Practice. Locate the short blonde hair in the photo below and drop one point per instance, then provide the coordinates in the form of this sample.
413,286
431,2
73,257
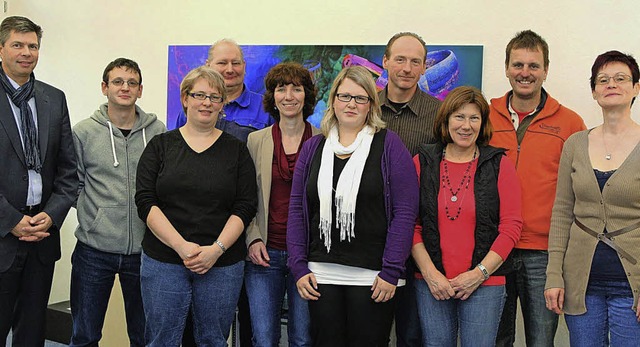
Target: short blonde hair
206,73
364,79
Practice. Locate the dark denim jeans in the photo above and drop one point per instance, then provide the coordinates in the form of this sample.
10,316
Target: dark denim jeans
475,319
168,290
606,317
266,288
527,284
92,276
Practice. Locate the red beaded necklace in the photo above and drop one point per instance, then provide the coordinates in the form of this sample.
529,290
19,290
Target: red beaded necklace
446,183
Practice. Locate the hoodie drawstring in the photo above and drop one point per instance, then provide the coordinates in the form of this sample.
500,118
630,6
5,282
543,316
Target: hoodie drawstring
144,137
113,146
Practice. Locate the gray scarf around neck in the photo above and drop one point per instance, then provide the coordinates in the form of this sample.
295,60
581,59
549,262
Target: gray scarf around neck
20,97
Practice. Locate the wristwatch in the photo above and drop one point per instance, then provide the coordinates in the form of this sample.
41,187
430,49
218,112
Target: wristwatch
485,273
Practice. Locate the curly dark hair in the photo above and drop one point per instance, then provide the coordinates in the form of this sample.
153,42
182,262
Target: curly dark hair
289,73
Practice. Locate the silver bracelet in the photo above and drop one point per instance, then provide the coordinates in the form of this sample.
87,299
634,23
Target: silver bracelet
224,249
485,273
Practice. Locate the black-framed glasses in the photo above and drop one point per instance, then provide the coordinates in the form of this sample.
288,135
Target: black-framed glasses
119,83
617,78
360,99
215,98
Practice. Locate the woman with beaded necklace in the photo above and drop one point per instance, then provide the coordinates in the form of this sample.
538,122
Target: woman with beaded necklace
470,220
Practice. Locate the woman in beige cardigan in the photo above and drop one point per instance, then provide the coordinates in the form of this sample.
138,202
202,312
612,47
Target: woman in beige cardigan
290,98
593,274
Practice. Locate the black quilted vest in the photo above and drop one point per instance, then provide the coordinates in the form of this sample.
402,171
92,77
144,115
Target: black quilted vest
486,197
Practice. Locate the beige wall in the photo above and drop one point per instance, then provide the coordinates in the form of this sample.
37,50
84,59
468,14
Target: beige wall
82,36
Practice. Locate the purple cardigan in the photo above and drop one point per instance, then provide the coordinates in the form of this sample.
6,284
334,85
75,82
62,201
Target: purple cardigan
401,191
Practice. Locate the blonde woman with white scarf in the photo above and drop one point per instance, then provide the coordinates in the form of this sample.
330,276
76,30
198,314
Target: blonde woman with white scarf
353,204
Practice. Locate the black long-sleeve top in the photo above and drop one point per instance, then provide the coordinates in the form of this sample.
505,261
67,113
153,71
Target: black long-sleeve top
197,192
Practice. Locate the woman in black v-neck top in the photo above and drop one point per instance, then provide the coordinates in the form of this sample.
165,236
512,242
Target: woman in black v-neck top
196,190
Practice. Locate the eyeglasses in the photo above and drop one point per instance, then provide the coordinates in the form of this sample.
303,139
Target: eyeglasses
617,78
119,83
216,99
360,99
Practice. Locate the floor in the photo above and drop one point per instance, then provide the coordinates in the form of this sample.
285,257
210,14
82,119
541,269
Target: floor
561,340
46,343
562,336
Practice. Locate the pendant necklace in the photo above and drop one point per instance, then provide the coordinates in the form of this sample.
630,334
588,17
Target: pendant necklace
607,155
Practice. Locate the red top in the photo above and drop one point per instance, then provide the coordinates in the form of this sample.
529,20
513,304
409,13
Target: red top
521,115
457,236
279,205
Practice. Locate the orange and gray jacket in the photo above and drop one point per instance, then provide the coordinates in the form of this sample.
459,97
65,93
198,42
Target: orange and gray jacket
536,156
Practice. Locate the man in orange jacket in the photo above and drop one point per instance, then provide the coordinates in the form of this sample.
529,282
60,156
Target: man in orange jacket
533,127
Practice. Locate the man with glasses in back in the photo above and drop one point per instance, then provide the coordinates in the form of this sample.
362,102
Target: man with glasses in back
108,145
410,112
38,183
533,127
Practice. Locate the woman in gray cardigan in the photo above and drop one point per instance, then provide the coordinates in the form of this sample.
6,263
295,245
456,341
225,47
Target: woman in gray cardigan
593,274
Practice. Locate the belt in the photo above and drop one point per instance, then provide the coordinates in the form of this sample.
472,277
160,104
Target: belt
607,238
31,210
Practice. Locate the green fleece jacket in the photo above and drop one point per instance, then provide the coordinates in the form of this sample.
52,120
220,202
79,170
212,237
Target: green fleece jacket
107,162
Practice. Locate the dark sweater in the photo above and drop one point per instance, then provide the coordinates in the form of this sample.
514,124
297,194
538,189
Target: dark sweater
197,192
400,199
366,249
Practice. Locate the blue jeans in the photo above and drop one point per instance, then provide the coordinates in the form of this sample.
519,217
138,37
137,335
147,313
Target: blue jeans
606,316
168,290
266,288
476,318
527,283
92,276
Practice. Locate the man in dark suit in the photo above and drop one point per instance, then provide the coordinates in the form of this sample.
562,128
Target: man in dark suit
38,183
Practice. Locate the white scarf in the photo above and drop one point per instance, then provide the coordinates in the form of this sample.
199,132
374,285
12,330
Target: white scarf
348,183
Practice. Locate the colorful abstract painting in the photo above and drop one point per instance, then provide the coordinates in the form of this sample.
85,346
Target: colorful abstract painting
448,67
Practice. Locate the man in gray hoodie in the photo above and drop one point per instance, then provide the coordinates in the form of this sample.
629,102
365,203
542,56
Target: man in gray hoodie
108,145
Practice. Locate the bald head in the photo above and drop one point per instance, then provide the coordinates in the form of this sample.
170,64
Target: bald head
225,42
225,56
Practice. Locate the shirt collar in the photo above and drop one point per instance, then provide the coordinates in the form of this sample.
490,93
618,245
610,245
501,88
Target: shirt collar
514,115
244,99
411,104
14,83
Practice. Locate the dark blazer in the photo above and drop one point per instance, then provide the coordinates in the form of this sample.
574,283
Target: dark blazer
59,176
